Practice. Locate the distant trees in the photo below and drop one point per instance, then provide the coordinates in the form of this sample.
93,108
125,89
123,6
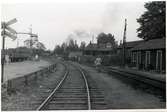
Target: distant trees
83,45
152,22
66,47
103,39
57,50
72,45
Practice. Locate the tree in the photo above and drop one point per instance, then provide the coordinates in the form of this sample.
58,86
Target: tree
76,48
40,45
82,46
72,45
103,39
63,46
57,50
152,22
112,40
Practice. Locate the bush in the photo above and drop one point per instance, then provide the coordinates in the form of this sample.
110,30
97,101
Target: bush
87,59
111,60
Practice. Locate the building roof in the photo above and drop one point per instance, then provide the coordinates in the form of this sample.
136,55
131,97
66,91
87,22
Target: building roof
94,47
151,44
91,46
76,53
131,44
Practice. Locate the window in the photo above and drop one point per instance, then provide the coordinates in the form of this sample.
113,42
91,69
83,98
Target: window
147,58
159,60
134,56
138,57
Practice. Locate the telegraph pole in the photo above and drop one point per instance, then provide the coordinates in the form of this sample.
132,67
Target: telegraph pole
30,36
124,45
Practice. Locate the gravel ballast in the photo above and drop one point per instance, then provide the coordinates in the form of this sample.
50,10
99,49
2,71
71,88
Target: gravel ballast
119,95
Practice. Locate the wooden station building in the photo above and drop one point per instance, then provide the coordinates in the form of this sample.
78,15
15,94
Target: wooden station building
150,55
129,46
96,49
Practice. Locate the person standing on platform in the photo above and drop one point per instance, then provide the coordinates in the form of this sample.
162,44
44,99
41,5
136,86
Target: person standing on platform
98,62
36,57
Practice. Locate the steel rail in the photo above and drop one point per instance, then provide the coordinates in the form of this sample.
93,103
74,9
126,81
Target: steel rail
146,80
44,103
50,96
87,87
161,81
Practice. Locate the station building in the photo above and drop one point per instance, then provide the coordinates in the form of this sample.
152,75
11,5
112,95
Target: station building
144,55
150,55
129,46
74,55
95,50
105,46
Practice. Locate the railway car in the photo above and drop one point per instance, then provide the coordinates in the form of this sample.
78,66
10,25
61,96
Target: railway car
19,54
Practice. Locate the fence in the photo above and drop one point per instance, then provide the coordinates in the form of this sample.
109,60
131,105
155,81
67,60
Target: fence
13,84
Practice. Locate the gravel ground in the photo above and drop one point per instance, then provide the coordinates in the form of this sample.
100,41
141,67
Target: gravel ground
26,97
119,95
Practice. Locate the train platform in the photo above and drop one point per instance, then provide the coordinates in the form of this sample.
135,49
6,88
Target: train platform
153,75
13,70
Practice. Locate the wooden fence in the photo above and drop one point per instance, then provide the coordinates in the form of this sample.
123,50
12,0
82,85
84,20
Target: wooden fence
13,84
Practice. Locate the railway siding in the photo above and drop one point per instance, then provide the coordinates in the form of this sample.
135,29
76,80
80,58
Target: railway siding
120,95
160,77
153,80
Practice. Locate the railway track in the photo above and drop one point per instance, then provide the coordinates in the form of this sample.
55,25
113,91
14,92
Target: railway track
97,99
72,92
142,79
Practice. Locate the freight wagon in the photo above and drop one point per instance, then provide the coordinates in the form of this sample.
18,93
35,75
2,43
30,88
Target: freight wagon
19,54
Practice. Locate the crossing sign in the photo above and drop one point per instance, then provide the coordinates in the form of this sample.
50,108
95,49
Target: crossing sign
11,22
11,30
5,26
11,33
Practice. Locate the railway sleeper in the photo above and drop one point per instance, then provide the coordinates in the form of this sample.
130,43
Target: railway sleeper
66,107
78,101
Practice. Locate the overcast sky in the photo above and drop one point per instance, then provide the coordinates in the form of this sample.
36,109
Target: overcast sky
54,22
